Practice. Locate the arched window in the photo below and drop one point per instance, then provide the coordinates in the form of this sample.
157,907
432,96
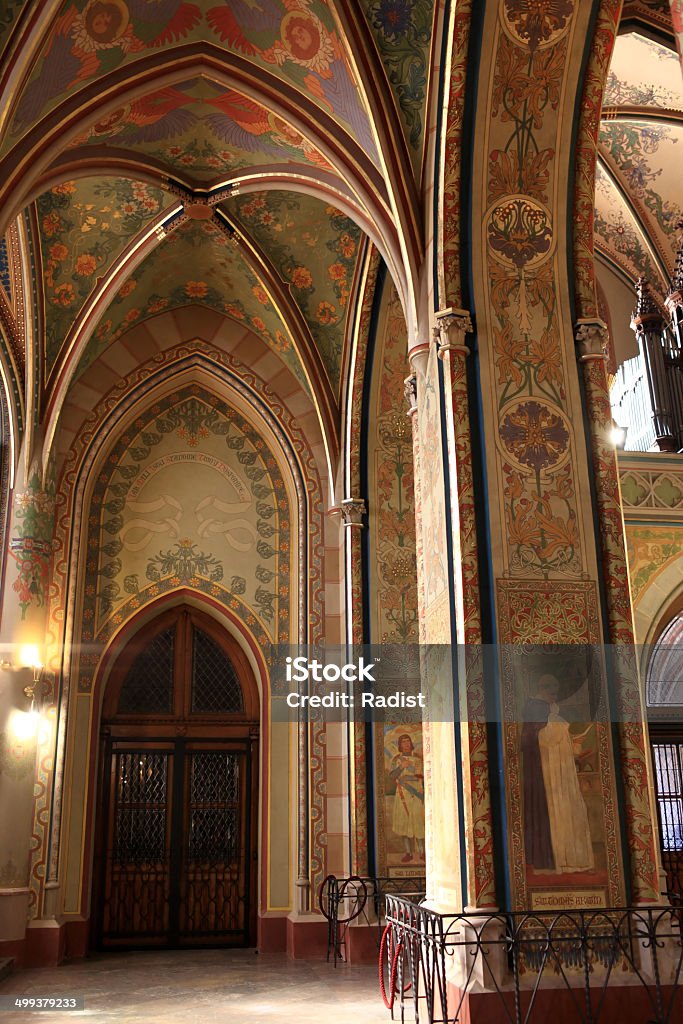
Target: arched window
664,687
181,667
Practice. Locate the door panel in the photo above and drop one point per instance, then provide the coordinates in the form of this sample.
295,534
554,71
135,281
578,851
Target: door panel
215,871
178,863
175,853
137,875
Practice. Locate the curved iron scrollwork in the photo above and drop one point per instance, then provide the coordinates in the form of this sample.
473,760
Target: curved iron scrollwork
522,961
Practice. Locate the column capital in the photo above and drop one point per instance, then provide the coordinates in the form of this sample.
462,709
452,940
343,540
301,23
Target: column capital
452,325
591,337
410,393
353,510
418,356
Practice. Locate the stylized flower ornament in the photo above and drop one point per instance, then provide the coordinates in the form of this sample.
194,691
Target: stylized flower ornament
534,435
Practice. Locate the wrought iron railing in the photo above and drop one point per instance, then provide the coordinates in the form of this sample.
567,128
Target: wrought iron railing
343,900
532,966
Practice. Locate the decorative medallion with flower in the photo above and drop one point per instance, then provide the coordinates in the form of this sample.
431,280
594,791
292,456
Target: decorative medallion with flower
538,22
535,436
519,232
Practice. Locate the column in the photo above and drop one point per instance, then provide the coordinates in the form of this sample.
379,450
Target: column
353,512
453,327
591,342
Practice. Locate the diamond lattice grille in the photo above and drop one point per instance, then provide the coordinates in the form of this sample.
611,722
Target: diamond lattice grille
141,808
214,794
148,688
215,686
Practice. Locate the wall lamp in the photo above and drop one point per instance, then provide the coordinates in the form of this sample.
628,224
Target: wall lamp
37,689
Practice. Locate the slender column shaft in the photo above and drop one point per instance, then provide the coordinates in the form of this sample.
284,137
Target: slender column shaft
635,759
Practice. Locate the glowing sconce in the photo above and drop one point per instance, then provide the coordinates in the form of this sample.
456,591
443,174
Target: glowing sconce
24,724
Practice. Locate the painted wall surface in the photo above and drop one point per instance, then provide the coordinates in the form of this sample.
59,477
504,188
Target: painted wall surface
398,761
193,497
652,496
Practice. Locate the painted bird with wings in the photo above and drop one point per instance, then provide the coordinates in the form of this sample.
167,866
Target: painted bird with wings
85,35
155,118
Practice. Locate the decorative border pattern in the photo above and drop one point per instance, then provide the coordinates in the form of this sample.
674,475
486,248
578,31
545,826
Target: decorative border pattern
585,161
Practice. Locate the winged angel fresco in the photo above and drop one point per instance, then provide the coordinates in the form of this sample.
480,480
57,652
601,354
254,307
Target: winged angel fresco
97,36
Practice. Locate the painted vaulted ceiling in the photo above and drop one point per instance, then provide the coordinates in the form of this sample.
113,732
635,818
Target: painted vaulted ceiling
93,37
238,154
235,155
639,202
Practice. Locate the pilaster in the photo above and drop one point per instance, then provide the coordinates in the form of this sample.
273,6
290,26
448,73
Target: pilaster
354,521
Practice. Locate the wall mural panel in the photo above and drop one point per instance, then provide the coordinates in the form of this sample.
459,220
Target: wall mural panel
84,226
398,763
30,544
191,496
315,249
297,39
200,128
651,549
543,559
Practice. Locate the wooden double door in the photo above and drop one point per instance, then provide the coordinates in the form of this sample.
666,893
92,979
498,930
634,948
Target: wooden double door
176,857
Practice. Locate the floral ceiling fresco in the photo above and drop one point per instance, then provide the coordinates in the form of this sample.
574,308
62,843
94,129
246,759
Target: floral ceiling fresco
201,130
643,73
403,33
638,199
617,236
84,226
196,264
648,158
296,39
314,249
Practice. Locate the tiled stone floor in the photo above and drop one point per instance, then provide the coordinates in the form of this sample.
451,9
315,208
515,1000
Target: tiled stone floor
203,986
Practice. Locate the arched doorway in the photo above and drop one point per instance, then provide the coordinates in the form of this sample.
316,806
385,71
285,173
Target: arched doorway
176,841
664,688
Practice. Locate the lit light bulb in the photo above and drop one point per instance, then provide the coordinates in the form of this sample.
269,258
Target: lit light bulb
24,724
29,656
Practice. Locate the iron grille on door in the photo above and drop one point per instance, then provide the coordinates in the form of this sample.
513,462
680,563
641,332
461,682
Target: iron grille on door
176,852
668,765
179,848
215,876
136,897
